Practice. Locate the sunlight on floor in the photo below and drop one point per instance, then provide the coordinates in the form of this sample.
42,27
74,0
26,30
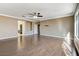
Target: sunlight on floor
20,41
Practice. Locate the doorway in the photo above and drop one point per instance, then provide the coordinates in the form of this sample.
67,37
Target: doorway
21,27
38,26
20,30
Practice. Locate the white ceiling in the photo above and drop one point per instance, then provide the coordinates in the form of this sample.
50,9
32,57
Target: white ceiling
48,10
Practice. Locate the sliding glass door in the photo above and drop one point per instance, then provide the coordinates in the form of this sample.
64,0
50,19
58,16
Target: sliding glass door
77,25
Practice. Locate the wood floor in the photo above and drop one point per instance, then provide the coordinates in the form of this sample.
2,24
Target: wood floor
31,46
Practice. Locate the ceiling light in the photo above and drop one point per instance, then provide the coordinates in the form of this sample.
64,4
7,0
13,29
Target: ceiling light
35,17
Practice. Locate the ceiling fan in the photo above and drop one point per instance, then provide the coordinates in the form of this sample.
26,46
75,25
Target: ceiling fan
33,15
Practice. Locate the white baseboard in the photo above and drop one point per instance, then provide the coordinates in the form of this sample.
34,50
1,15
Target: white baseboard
53,36
29,35
3,38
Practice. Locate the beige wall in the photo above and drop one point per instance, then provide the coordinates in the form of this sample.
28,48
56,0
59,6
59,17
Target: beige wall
57,27
8,27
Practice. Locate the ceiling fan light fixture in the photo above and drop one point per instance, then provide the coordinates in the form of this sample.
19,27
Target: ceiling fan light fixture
35,17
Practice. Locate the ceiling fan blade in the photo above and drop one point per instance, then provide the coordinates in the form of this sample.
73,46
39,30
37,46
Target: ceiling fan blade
30,14
39,16
27,16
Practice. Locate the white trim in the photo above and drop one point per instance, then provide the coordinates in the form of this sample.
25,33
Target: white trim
61,16
20,18
9,16
3,38
52,36
8,37
44,35
29,34
17,18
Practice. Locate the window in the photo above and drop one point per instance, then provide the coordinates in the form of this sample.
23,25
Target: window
77,26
